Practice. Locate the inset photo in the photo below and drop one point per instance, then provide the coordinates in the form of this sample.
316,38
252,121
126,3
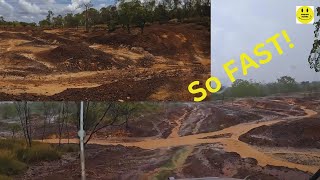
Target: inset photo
103,50
257,138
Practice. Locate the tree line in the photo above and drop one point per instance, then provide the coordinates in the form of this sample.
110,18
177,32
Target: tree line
249,88
314,57
63,117
5,23
126,14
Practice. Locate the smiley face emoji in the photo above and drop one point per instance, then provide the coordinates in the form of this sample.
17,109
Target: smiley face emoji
305,14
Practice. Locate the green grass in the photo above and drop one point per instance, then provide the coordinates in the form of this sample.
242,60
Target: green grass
15,156
37,153
175,158
168,168
68,148
169,164
163,175
2,177
9,165
12,144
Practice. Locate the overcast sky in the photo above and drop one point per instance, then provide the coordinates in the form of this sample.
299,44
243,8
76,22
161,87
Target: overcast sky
35,10
239,25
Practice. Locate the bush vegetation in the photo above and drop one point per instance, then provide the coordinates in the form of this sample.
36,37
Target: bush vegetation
15,156
284,85
2,177
125,14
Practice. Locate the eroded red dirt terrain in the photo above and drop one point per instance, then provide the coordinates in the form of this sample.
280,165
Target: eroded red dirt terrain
267,138
69,64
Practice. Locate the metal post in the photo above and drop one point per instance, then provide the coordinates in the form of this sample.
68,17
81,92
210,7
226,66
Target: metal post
81,134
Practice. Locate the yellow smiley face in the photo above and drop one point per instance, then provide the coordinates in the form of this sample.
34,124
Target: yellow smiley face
305,14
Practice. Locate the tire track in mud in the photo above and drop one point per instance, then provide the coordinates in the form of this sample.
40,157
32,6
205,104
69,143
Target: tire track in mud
232,144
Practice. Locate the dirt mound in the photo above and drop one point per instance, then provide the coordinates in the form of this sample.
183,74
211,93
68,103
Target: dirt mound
35,43
309,102
78,57
286,134
208,161
8,35
304,159
164,40
279,107
124,163
132,90
20,65
151,42
51,38
126,90
22,97
161,124
210,118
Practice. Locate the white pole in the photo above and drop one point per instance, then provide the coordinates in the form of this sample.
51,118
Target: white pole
82,135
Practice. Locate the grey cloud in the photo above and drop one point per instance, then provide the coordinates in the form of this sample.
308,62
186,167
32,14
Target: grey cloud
5,8
29,7
35,10
237,26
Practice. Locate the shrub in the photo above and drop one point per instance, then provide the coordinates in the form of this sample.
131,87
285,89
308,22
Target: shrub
69,148
15,155
12,144
9,165
2,177
164,174
38,152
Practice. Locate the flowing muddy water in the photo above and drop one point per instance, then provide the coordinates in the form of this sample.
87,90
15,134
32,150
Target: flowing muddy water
175,130
229,144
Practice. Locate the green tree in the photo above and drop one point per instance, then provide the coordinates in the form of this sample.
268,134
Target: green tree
287,84
314,57
87,6
44,23
96,117
126,13
58,21
161,14
272,88
71,20
8,111
93,17
109,16
49,17
23,110
2,21
14,128
306,86
244,88
140,17
149,6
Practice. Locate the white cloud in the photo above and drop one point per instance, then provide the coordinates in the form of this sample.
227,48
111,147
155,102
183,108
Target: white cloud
238,26
29,7
76,4
36,10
